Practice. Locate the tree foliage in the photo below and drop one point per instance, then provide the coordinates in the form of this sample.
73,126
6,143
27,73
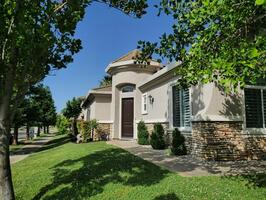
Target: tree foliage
62,124
106,81
73,108
221,41
37,37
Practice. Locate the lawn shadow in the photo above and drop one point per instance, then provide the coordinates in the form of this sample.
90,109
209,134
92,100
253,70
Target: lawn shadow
54,143
97,170
170,196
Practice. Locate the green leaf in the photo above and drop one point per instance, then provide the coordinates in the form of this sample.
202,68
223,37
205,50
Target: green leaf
260,2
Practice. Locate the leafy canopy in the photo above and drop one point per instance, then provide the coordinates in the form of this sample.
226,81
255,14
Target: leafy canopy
73,108
221,41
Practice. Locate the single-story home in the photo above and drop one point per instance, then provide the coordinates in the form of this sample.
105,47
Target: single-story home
217,126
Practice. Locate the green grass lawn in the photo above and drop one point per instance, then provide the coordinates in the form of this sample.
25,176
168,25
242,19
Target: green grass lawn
65,171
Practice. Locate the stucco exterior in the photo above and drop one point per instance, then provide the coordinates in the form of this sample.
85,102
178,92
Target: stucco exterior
211,110
127,76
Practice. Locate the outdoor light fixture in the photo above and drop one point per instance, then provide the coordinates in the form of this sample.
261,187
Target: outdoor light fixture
151,99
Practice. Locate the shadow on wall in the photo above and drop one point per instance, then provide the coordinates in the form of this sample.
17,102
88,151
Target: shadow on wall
96,171
197,99
232,105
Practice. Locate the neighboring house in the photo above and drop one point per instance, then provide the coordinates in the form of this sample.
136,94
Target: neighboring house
216,125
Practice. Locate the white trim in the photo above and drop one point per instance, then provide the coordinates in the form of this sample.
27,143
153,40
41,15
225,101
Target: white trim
151,121
126,96
105,121
206,117
159,73
256,87
128,62
144,101
255,132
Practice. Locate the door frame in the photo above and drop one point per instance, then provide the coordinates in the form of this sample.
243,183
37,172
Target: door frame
127,96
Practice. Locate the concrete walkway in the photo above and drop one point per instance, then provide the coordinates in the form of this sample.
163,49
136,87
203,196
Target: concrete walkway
188,165
28,149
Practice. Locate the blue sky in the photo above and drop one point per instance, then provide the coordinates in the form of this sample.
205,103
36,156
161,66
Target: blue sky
106,35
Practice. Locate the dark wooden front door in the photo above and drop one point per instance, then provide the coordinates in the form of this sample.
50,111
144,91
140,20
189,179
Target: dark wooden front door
127,117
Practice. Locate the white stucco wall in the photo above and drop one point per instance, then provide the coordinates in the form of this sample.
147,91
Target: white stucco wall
119,79
210,102
103,108
158,111
99,109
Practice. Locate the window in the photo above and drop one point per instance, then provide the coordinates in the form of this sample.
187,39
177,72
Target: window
128,88
181,108
144,103
255,106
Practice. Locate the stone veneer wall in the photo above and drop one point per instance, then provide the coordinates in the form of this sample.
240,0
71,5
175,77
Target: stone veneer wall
225,141
103,128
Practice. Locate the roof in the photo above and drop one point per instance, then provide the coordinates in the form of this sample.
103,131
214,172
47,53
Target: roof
168,72
132,55
106,90
128,61
103,88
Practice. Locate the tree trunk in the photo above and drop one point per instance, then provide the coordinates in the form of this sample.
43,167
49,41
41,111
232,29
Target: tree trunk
47,128
6,186
28,132
15,136
75,128
44,130
39,131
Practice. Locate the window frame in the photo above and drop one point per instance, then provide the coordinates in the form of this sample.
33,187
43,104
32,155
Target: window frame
254,131
128,85
144,101
181,128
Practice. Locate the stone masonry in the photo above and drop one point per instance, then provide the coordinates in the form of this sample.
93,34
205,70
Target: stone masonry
225,141
103,128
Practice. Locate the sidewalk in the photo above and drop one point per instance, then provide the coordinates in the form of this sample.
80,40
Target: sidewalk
188,165
25,151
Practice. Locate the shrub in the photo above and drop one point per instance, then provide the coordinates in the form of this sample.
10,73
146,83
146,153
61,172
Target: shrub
85,130
93,124
157,137
178,143
143,134
62,124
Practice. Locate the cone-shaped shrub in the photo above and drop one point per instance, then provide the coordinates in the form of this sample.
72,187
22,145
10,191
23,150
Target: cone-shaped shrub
157,137
143,134
178,143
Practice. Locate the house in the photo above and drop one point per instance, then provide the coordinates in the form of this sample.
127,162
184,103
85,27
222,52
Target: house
217,126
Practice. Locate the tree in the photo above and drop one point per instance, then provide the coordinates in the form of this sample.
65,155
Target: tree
62,124
106,81
45,108
72,111
48,28
222,41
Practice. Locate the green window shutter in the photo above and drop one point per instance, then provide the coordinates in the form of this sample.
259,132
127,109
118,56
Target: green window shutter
176,107
181,108
253,107
185,108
